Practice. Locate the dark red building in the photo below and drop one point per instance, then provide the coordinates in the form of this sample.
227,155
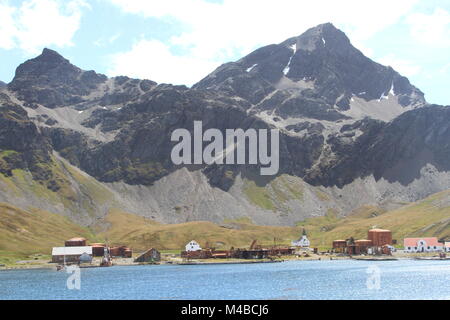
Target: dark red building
380,237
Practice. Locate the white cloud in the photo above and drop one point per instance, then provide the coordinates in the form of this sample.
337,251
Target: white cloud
102,42
220,31
404,67
7,29
152,59
431,29
39,23
445,69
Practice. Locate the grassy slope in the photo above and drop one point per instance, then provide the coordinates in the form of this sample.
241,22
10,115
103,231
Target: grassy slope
26,232
141,233
275,194
23,233
428,217
72,185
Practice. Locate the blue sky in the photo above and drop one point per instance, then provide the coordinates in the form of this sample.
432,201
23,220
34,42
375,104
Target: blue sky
181,41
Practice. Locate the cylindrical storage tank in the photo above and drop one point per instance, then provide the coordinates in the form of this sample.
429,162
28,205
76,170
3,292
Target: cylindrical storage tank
75,242
339,244
98,251
115,252
366,243
98,245
380,237
128,253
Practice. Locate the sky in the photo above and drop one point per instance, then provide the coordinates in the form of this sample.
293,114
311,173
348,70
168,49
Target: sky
181,41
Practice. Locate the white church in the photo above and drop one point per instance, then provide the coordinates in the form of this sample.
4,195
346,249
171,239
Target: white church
193,246
303,242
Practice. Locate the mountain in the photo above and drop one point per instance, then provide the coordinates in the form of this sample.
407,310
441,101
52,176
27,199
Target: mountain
321,72
352,133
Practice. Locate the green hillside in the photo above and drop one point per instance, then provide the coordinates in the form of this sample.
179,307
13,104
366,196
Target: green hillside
26,232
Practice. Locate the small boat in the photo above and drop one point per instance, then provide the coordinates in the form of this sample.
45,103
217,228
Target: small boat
431,258
106,260
375,259
60,268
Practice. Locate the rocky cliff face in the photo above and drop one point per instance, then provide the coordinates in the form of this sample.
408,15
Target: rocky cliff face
316,75
352,132
22,146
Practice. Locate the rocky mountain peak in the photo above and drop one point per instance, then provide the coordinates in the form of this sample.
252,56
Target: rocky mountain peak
319,67
51,56
51,80
46,65
319,37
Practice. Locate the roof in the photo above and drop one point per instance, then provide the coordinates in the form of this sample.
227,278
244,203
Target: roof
220,254
363,240
77,239
149,250
412,242
61,251
379,230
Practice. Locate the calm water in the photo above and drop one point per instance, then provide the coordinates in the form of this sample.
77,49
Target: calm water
406,279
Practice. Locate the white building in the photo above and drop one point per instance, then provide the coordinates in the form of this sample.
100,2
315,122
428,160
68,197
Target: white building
71,254
422,245
193,246
302,242
447,246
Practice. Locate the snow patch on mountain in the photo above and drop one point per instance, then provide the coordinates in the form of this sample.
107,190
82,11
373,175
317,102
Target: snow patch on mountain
251,68
288,66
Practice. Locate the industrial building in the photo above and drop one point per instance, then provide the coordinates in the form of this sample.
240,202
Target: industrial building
253,252
339,246
98,249
76,250
353,247
71,254
378,241
151,255
122,251
380,237
75,242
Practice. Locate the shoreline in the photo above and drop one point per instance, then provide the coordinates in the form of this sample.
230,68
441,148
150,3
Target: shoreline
124,263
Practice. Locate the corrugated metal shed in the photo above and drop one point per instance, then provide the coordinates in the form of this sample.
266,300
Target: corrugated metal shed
61,251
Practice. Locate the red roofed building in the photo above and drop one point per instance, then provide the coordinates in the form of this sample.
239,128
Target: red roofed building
422,245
